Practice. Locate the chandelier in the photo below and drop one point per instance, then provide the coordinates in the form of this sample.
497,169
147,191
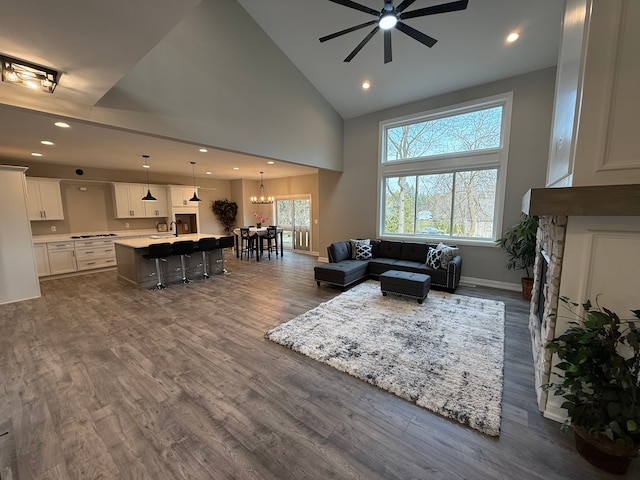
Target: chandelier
262,198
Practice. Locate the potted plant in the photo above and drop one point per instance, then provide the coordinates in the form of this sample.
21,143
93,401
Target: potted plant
520,243
225,211
599,379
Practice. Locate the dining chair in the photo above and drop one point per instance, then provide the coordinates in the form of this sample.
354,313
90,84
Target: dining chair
271,238
247,242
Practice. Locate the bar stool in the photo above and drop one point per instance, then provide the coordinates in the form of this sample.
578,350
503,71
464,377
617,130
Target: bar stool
159,252
247,242
225,242
272,240
183,248
205,245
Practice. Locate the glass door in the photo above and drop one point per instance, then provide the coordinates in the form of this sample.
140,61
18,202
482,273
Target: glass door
294,217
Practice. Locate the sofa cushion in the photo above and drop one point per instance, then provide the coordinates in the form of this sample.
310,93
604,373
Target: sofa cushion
343,273
380,265
339,251
375,247
434,258
448,253
355,243
363,251
390,249
414,251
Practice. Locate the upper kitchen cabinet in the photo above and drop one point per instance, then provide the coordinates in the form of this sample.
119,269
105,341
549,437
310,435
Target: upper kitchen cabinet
180,196
128,200
44,200
159,207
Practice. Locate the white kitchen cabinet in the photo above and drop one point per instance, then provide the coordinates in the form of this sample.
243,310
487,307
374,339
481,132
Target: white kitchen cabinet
44,200
180,196
158,208
42,259
95,253
62,258
128,200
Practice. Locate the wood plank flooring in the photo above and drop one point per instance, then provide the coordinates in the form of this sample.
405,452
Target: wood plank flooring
102,381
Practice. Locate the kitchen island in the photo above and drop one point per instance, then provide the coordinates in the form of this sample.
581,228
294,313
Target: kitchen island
134,269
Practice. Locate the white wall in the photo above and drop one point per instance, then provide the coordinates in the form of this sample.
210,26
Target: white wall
217,79
601,259
595,135
18,275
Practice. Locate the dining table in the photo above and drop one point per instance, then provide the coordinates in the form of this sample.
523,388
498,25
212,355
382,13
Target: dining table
260,232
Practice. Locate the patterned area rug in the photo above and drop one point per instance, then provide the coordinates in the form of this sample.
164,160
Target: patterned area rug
445,355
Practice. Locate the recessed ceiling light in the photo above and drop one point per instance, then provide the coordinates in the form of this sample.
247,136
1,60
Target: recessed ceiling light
208,173
36,154
62,125
47,142
512,37
236,168
366,85
270,162
203,150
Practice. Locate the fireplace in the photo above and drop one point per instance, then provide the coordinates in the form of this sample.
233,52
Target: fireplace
544,296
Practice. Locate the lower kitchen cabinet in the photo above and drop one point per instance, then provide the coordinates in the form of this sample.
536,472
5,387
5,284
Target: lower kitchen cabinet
95,254
42,259
62,257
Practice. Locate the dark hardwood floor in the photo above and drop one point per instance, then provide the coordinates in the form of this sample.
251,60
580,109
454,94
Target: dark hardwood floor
100,380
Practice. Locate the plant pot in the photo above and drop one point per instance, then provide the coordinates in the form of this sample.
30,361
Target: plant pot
603,453
527,286
258,225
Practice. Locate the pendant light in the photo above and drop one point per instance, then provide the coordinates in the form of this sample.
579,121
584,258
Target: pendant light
193,170
148,197
262,198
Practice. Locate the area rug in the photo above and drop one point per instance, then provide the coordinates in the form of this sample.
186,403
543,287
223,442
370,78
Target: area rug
445,355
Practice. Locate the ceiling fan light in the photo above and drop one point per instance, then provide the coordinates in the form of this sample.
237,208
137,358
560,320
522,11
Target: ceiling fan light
388,20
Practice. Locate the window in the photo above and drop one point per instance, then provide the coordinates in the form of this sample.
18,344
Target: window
442,174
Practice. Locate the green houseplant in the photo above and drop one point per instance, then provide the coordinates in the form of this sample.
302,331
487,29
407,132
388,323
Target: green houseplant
225,211
599,379
520,244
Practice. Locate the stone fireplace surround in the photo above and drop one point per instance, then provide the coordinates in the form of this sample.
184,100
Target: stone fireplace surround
554,207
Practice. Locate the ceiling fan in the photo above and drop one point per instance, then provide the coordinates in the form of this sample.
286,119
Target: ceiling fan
391,17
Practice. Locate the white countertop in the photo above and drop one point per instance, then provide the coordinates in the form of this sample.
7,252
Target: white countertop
145,242
120,234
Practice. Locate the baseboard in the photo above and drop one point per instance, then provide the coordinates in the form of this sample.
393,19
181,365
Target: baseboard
483,282
323,259
555,414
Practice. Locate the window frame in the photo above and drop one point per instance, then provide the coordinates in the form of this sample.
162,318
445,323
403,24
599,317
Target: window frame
445,163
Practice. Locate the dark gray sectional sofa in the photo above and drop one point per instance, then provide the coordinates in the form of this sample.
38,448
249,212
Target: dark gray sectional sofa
344,271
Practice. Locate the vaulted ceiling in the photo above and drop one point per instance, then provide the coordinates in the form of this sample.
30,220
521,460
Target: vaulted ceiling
95,44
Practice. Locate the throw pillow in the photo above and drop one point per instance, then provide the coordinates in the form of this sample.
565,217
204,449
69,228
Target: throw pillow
363,252
434,258
447,254
355,243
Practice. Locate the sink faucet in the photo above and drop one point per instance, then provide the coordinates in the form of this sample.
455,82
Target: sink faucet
176,225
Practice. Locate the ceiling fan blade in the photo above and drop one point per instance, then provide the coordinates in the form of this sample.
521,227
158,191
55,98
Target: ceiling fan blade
387,46
405,4
362,44
347,30
416,35
443,8
357,6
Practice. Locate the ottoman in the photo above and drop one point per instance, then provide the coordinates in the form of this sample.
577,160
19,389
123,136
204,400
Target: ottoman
415,285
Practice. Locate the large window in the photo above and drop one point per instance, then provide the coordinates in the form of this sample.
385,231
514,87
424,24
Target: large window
442,174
